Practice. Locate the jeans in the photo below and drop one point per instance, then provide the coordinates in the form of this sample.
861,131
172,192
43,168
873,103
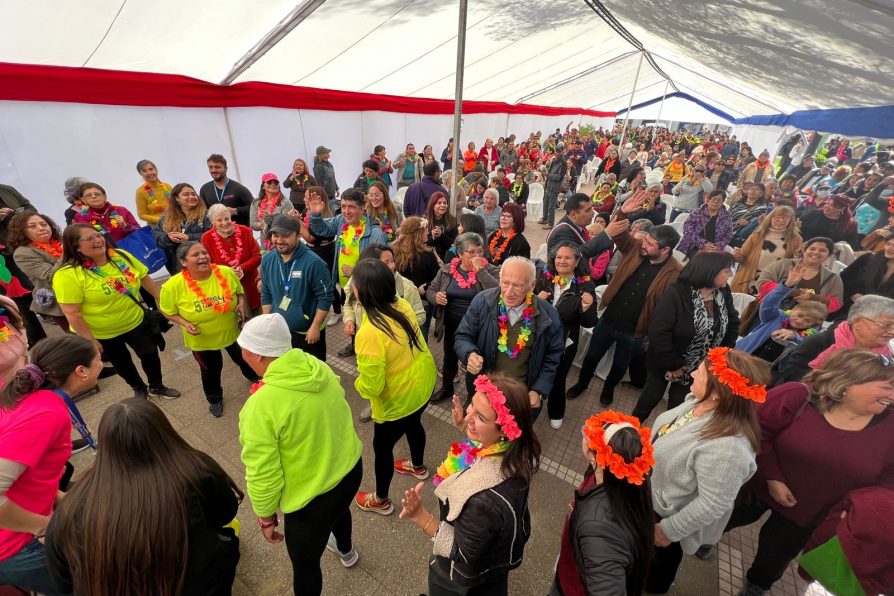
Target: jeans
211,365
451,363
654,391
385,437
626,347
555,403
779,542
307,531
550,202
317,350
145,349
27,569
429,310
674,213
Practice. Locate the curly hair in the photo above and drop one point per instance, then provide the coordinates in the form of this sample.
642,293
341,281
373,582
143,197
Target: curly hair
18,225
408,244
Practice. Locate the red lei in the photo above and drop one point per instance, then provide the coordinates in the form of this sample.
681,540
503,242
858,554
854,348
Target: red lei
497,253
267,206
224,252
204,300
460,280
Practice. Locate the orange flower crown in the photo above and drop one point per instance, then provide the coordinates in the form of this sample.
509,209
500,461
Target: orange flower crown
736,381
594,431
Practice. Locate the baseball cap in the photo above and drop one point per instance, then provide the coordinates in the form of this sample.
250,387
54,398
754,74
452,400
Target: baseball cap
266,335
284,224
268,177
323,149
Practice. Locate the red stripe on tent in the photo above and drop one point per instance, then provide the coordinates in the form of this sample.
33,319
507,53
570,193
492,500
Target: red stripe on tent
29,82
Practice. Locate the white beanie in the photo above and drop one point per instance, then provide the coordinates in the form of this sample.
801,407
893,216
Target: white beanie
266,335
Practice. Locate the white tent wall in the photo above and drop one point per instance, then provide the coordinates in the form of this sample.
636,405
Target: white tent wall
761,137
42,143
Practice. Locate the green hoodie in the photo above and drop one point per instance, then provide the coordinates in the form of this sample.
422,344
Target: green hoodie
297,435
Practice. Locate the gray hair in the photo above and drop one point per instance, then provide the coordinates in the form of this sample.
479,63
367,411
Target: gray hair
643,225
528,263
71,187
465,240
216,208
871,306
143,163
494,192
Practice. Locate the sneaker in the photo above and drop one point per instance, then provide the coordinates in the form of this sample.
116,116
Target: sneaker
165,392
546,227
369,502
575,391
541,221
749,589
704,552
366,415
333,318
78,445
556,424
348,559
141,392
404,466
446,392
216,409
348,350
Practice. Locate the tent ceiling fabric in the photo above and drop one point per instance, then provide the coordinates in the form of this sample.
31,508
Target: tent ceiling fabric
744,57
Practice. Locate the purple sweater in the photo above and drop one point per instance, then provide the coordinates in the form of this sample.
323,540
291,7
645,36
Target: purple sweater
819,463
418,194
694,228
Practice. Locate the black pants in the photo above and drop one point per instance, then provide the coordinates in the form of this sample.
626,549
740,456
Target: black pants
653,392
440,584
779,542
317,350
451,363
385,437
626,348
211,365
307,531
663,568
555,404
147,352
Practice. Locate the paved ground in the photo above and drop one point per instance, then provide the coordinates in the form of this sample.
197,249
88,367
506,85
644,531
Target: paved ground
393,553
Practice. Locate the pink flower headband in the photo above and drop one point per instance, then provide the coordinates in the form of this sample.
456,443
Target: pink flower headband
497,400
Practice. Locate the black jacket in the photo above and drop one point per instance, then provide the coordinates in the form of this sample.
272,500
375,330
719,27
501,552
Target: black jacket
517,247
792,366
864,276
566,229
672,330
568,305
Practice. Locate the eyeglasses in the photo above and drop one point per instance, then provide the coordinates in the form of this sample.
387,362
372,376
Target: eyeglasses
92,238
517,287
92,195
889,327
474,252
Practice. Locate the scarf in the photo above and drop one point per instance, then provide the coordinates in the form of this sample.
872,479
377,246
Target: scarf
707,334
844,338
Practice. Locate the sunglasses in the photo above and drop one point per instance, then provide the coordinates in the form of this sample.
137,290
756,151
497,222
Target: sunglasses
272,182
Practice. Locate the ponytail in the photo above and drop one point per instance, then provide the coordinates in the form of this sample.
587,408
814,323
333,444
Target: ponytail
53,360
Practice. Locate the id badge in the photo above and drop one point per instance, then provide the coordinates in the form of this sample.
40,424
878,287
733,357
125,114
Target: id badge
284,303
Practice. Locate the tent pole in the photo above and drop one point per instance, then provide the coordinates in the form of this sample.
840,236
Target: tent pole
458,98
630,104
232,144
661,106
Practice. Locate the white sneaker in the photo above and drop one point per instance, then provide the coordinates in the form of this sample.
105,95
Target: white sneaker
366,414
556,424
333,318
348,559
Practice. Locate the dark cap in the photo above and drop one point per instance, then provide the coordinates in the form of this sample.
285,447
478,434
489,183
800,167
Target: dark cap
323,149
285,225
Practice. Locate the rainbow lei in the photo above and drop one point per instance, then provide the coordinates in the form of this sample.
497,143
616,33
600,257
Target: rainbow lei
462,455
562,281
349,244
4,329
114,282
85,211
786,324
153,203
524,335
385,225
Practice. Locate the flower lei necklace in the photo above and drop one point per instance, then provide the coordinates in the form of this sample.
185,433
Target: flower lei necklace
462,455
300,181
563,281
206,301
524,335
384,224
786,324
738,383
517,187
497,253
458,277
267,206
113,281
221,250
5,330
599,430
348,245
153,204
52,248
85,211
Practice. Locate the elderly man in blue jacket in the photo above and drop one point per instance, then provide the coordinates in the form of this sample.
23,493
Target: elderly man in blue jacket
533,343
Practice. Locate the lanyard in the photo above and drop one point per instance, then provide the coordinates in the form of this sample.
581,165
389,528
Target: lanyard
76,419
223,191
287,278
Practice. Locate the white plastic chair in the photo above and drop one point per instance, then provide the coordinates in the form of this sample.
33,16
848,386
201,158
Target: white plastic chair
678,226
535,201
681,218
492,175
741,301
679,255
844,253
668,200
541,253
837,267
510,177
398,198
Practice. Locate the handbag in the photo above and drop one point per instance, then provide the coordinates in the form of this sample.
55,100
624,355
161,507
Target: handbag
154,323
141,244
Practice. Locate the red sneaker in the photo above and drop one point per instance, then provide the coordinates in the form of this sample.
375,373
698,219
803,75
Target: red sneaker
405,466
369,502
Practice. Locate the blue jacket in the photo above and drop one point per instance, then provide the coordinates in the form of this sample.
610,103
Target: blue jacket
478,333
310,290
327,228
771,317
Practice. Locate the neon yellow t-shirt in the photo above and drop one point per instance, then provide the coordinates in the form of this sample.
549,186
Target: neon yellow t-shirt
217,330
107,312
349,259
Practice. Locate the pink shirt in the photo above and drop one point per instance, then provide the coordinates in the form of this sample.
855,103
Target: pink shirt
37,434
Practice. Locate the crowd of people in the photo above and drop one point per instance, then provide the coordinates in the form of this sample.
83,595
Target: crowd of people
759,397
